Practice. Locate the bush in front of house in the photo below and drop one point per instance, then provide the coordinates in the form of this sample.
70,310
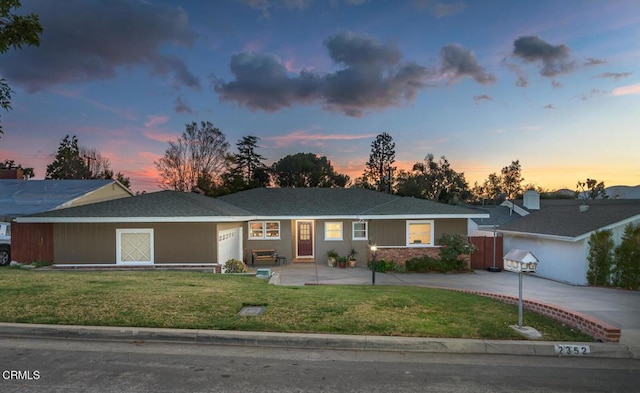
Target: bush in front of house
427,264
383,266
454,245
235,266
600,258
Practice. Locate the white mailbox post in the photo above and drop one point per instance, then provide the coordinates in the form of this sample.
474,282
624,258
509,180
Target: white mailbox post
520,261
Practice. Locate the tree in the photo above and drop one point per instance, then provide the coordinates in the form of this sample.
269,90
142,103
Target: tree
249,164
600,258
378,173
100,167
27,173
512,179
626,273
508,184
68,163
591,189
434,180
200,153
15,31
307,170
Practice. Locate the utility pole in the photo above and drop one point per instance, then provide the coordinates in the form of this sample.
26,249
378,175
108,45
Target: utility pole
89,158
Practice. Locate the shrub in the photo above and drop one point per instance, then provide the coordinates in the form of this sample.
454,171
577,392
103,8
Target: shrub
600,258
426,264
454,245
626,273
383,266
235,266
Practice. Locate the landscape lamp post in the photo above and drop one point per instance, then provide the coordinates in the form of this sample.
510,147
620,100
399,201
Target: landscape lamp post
374,248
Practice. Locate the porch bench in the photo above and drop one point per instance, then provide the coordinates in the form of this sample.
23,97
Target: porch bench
270,255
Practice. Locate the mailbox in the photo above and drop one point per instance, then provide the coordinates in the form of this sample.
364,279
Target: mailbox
520,261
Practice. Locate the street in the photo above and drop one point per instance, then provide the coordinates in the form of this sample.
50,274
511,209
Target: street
47,365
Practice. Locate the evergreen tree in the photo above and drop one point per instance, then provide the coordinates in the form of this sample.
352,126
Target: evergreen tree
379,170
68,163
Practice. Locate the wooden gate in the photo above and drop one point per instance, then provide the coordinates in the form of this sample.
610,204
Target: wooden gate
31,242
483,258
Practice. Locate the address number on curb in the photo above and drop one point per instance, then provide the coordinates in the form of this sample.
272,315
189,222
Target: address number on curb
573,350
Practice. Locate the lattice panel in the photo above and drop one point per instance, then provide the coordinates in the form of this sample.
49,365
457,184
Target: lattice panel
135,247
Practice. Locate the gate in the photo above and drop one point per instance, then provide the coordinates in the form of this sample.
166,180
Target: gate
483,258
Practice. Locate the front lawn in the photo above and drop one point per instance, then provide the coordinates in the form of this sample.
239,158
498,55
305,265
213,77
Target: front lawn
182,299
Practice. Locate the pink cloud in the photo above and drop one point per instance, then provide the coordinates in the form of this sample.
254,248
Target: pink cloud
307,138
154,120
627,90
159,136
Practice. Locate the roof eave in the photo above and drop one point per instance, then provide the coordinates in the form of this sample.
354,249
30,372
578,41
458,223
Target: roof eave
93,220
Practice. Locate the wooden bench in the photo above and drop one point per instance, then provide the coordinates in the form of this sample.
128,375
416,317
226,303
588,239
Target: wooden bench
270,255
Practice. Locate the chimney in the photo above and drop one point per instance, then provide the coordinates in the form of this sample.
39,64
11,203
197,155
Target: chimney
15,173
531,200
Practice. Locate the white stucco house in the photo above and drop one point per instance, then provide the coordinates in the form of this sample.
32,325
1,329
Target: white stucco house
557,231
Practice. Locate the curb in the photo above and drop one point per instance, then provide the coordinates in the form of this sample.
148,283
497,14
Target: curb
309,341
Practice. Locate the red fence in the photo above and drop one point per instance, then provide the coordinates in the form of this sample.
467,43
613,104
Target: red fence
31,242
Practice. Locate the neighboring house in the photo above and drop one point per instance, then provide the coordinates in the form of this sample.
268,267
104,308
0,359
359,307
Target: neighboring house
557,232
301,224
24,197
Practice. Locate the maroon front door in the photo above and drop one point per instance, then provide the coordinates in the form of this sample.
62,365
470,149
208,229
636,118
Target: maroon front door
305,238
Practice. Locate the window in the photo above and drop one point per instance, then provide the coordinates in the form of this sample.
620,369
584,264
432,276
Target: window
420,233
264,230
360,230
333,231
134,246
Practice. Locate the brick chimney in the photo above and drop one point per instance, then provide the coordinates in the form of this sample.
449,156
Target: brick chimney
15,173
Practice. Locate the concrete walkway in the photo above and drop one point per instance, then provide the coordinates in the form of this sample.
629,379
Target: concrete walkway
617,307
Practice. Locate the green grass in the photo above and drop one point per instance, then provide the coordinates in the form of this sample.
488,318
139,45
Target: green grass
180,299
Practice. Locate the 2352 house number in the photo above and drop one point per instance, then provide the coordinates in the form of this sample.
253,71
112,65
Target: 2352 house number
574,350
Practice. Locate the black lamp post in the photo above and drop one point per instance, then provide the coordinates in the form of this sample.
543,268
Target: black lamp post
374,248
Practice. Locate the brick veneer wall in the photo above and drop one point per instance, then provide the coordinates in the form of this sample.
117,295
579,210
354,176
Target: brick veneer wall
401,254
597,329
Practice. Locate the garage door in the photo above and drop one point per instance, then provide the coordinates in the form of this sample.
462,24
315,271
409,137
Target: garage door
229,245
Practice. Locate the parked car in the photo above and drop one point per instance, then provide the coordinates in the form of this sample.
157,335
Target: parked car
5,243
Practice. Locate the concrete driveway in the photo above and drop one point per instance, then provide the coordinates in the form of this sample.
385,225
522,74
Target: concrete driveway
618,307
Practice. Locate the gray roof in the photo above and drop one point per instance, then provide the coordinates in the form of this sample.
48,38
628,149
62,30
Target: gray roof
499,215
157,206
23,197
563,218
314,202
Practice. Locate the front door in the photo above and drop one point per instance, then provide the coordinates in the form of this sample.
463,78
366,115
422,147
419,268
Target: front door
304,247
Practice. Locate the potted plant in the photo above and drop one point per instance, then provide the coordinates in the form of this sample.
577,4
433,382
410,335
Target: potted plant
342,262
352,258
332,257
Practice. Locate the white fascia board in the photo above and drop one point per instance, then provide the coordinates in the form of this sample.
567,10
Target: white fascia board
420,216
373,217
521,212
69,220
539,235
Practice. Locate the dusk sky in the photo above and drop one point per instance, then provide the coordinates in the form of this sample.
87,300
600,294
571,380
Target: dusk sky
554,84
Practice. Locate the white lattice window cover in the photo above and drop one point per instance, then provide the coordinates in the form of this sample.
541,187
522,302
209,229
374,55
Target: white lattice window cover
135,246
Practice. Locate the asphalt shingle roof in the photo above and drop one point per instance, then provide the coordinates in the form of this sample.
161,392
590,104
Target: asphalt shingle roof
563,217
156,204
335,201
